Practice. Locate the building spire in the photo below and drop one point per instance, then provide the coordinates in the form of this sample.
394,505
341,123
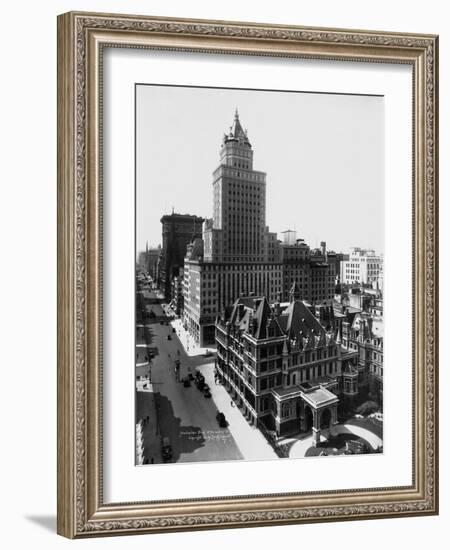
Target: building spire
237,131
338,336
294,293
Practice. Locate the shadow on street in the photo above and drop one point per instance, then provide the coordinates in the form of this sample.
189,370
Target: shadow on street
184,440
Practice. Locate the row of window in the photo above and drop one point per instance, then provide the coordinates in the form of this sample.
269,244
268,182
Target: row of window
245,165
247,175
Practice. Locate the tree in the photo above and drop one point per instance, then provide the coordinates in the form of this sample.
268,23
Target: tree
367,408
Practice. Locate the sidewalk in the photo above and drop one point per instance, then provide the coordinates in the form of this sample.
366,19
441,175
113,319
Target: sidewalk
251,442
298,450
374,441
188,343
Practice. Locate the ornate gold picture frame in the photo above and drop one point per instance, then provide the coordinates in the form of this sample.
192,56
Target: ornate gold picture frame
82,38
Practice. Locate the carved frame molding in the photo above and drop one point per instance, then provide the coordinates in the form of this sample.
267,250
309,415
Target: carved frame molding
81,37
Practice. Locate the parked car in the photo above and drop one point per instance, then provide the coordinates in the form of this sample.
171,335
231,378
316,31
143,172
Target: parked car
199,380
166,449
208,353
200,383
220,417
169,337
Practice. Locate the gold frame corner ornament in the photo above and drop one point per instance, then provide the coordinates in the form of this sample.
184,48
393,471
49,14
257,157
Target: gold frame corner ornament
81,36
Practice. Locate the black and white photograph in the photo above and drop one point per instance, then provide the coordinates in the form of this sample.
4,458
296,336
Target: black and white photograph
259,274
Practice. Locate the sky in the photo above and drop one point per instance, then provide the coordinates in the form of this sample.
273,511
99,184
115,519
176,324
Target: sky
323,155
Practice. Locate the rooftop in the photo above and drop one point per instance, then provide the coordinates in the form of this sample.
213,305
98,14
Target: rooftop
320,396
237,133
293,320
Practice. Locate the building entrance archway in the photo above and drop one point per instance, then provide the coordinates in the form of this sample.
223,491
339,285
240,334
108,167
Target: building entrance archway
325,419
309,418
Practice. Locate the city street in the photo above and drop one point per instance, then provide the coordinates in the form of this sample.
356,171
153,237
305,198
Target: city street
183,414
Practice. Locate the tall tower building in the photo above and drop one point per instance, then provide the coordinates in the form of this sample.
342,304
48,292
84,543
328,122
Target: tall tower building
238,255
237,231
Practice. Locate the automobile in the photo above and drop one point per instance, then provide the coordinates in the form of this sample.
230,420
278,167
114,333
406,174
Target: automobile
200,383
173,330
166,449
199,380
169,337
206,391
208,353
186,382
220,417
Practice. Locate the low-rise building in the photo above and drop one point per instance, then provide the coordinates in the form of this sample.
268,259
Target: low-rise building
364,334
281,367
359,315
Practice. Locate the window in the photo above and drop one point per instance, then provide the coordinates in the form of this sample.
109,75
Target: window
285,410
264,405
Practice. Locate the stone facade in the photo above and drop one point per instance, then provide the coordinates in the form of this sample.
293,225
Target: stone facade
281,367
309,270
239,255
177,292
237,231
177,232
363,331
